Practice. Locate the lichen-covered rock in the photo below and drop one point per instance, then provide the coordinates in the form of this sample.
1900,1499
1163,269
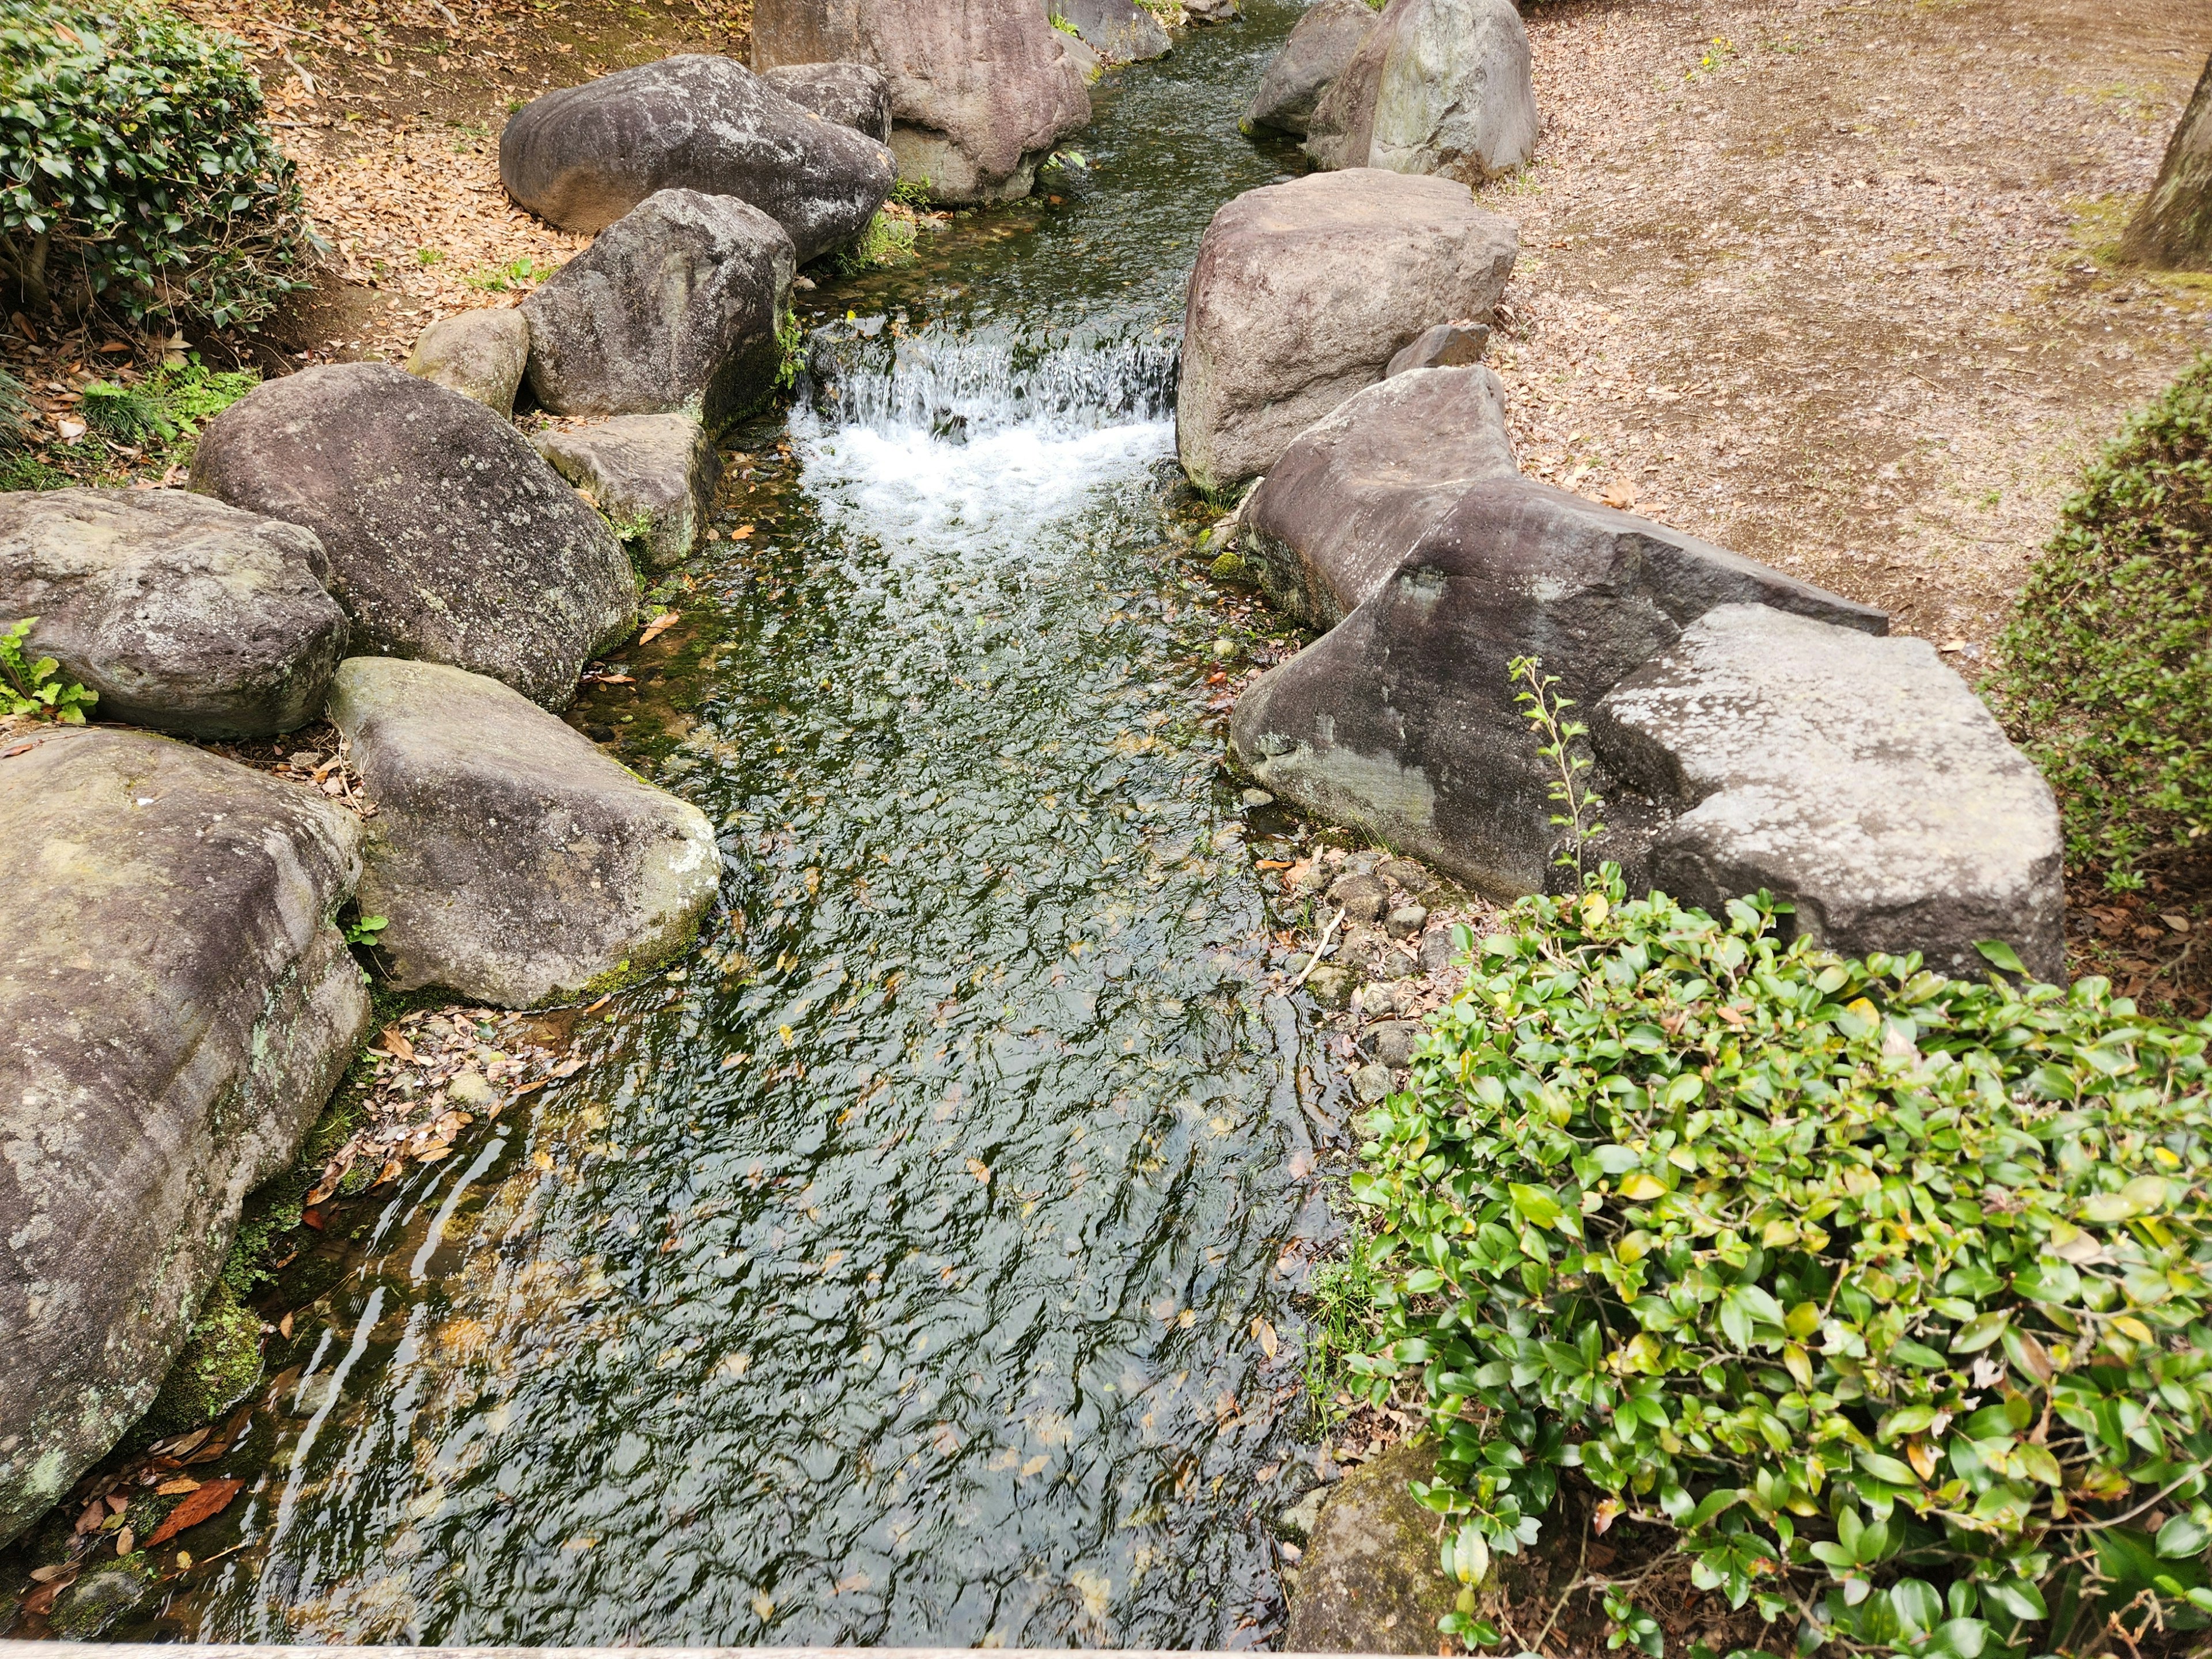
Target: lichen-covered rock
1334,518
1302,294
478,354
854,96
1370,1583
1448,346
980,90
1308,63
674,310
652,476
584,156
182,614
1441,86
1859,778
179,1004
513,861
1118,31
449,538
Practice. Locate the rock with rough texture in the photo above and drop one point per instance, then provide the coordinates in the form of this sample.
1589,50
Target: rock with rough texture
1120,31
1370,1582
981,89
182,614
1448,346
1213,11
854,96
1441,86
180,1006
478,354
674,310
652,476
2173,226
1401,719
448,538
585,156
513,862
1308,63
1859,778
1334,518
1303,292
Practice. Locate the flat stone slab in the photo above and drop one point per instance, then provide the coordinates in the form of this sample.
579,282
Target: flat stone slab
1860,778
180,1006
513,861
184,614
652,476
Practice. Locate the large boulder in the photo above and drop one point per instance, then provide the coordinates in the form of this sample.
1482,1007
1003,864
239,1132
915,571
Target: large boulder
584,156
513,861
981,89
448,538
652,476
1118,31
1441,86
478,354
1307,64
1302,294
1334,518
180,1006
854,96
182,614
674,310
1370,1582
1859,778
1402,718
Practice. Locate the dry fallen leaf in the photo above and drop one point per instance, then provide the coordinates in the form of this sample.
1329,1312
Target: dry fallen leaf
1618,496
284,1325
659,625
70,430
1265,1333
183,1483
123,1541
205,1504
396,1042
741,532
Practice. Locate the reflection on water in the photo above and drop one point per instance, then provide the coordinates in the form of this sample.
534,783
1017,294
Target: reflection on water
889,1273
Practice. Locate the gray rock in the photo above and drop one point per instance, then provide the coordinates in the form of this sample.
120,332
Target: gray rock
1337,514
1255,799
1402,720
674,310
1331,986
1361,897
1408,875
1405,921
1448,346
1370,1583
1213,11
478,354
1303,292
1436,953
1297,1522
1392,1043
1372,1082
182,614
1308,63
652,477
1398,964
513,862
179,1005
980,91
1440,87
1120,31
585,157
854,96
448,538
1859,778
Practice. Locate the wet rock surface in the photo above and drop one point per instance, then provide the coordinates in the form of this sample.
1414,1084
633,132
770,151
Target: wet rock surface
448,538
1860,778
1120,31
1439,87
182,614
1370,1582
513,861
672,310
180,1005
854,96
585,156
1308,63
478,354
1302,293
652,476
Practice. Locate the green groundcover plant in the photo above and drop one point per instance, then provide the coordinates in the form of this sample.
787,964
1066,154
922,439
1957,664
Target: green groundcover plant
135,171
1885,1293
2109,657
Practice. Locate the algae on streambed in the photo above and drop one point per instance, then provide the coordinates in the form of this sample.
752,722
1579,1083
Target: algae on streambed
890,1273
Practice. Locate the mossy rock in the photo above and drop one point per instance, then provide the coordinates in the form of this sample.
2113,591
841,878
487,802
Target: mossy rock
1370,1582
105,1593
219,1365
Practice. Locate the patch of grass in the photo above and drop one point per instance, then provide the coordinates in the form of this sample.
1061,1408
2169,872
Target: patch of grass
515,273
2108,659
1345,1322
886,243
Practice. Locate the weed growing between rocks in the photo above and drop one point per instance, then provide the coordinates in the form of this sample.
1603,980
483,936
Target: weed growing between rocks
117,423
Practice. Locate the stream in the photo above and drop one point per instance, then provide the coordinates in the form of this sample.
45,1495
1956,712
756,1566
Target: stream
895,1270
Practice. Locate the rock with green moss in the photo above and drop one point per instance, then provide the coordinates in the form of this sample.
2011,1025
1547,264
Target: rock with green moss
219,1366
652,476
1370,1583
513,862
102,1595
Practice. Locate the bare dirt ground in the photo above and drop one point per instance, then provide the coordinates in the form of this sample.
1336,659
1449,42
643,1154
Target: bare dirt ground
1831,283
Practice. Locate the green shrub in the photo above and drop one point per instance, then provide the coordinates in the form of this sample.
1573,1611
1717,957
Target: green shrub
2108,671
1885,1293
136,172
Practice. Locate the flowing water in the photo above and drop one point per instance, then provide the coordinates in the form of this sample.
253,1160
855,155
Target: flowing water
891,1273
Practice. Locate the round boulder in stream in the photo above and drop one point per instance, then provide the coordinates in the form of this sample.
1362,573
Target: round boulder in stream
513,861
584,156
449,539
